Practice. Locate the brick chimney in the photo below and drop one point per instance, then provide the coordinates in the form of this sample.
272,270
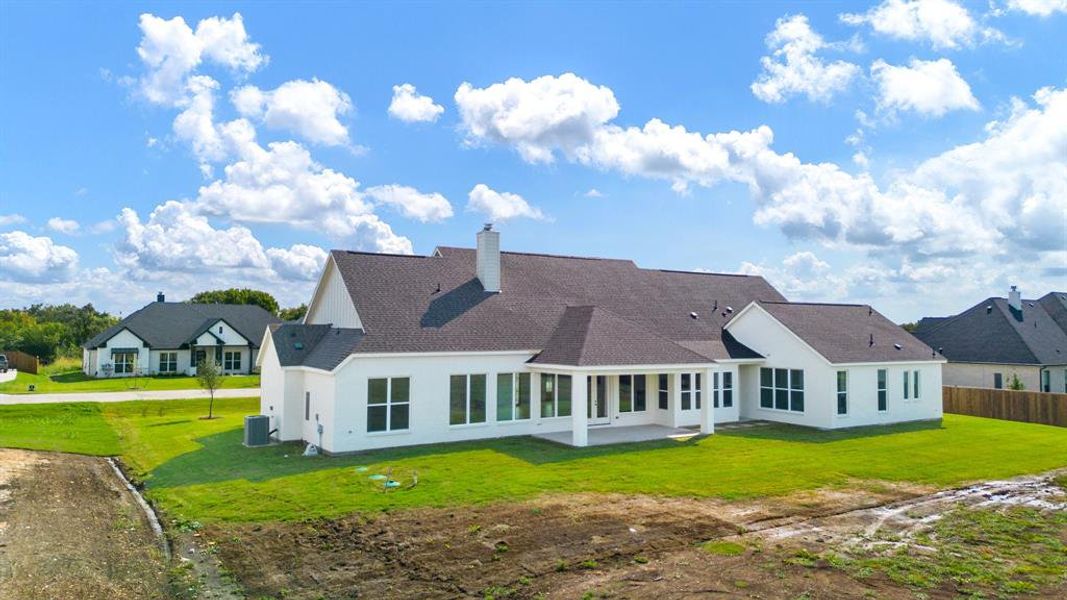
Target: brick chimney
488,258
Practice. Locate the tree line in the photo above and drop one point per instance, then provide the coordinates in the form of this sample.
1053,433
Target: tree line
50,331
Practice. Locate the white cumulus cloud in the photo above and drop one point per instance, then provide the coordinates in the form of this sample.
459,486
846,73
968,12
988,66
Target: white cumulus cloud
794,68
536,116
311,109
944,24
412,203
171,50
500,206
12,219
931,87
299,262
67,226
411,107
1040,8
25,258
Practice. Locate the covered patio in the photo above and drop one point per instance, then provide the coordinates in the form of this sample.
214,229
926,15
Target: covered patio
606,435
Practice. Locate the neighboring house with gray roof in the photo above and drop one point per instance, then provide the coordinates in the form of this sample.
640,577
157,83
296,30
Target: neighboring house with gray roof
477,343
998,339
171,338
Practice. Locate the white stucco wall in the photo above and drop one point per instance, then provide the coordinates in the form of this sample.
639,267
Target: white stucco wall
783,350
123,339
332,303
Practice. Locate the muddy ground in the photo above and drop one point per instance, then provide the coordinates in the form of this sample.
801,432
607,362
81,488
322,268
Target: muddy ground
70,529
593,546
556,547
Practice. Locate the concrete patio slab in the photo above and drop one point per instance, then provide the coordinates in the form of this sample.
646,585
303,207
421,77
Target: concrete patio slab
604,435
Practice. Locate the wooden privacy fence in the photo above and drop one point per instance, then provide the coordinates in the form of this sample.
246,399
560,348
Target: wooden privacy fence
21,361
1010,405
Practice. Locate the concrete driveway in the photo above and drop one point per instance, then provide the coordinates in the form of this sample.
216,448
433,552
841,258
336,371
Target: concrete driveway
124,396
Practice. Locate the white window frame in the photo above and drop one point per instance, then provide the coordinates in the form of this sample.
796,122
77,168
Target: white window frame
231,360
788,389
663,390
633,394
128,366
695,391
515,378
555,395
882,387
841,394
168,362
468,378
389,404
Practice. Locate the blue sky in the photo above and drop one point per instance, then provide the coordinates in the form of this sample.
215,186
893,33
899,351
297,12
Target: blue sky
909,154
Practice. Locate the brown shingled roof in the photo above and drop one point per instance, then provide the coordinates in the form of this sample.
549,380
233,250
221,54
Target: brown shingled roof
436,304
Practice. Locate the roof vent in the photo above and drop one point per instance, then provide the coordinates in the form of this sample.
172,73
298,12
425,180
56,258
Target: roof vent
897,346
729,309
870,342
160,297
988,308
694,315
298,345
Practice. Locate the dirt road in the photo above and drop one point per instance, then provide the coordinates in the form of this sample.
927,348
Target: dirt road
69,529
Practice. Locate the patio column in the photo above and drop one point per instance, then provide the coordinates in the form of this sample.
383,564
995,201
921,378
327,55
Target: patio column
707,404
579,410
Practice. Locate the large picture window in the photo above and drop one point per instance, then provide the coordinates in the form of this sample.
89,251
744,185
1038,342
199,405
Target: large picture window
555,395
782,389
388,404
842,392
512,396
632,396
168,362
883,390
231,361
125,362
466,399
664,391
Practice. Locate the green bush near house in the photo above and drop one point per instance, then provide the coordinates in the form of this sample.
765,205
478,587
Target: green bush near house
198,470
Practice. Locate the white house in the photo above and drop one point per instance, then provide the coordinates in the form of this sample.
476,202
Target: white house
477,343
173,337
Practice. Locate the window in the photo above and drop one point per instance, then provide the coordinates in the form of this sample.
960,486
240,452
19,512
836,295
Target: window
168,362
512,396
907,385
998,381
915,384
664,391
466,400
220,328
124,362
555,395
388,404
883,390
1065,381
727,389
842,392
231,361
1046,381
632,393
199,357
782,389
307,406
715,389
690,391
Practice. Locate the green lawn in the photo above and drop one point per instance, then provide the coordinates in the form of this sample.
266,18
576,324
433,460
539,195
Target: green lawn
198,469
76,381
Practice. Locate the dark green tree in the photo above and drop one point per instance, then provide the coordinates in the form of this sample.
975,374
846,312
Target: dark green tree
238,296
293,314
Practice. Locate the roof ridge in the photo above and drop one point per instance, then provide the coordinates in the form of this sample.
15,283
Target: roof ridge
366,253
817,304
545,254
717,274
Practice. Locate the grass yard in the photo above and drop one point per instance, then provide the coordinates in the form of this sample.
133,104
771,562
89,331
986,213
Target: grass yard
198,469
76,381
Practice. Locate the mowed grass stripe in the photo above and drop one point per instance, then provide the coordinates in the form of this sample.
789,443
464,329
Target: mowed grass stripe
198,469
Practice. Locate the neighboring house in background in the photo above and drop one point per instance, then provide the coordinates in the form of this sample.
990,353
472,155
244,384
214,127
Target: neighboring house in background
173,337
999,338
478,343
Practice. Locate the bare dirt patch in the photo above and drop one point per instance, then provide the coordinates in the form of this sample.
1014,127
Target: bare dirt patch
70,529
555,546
